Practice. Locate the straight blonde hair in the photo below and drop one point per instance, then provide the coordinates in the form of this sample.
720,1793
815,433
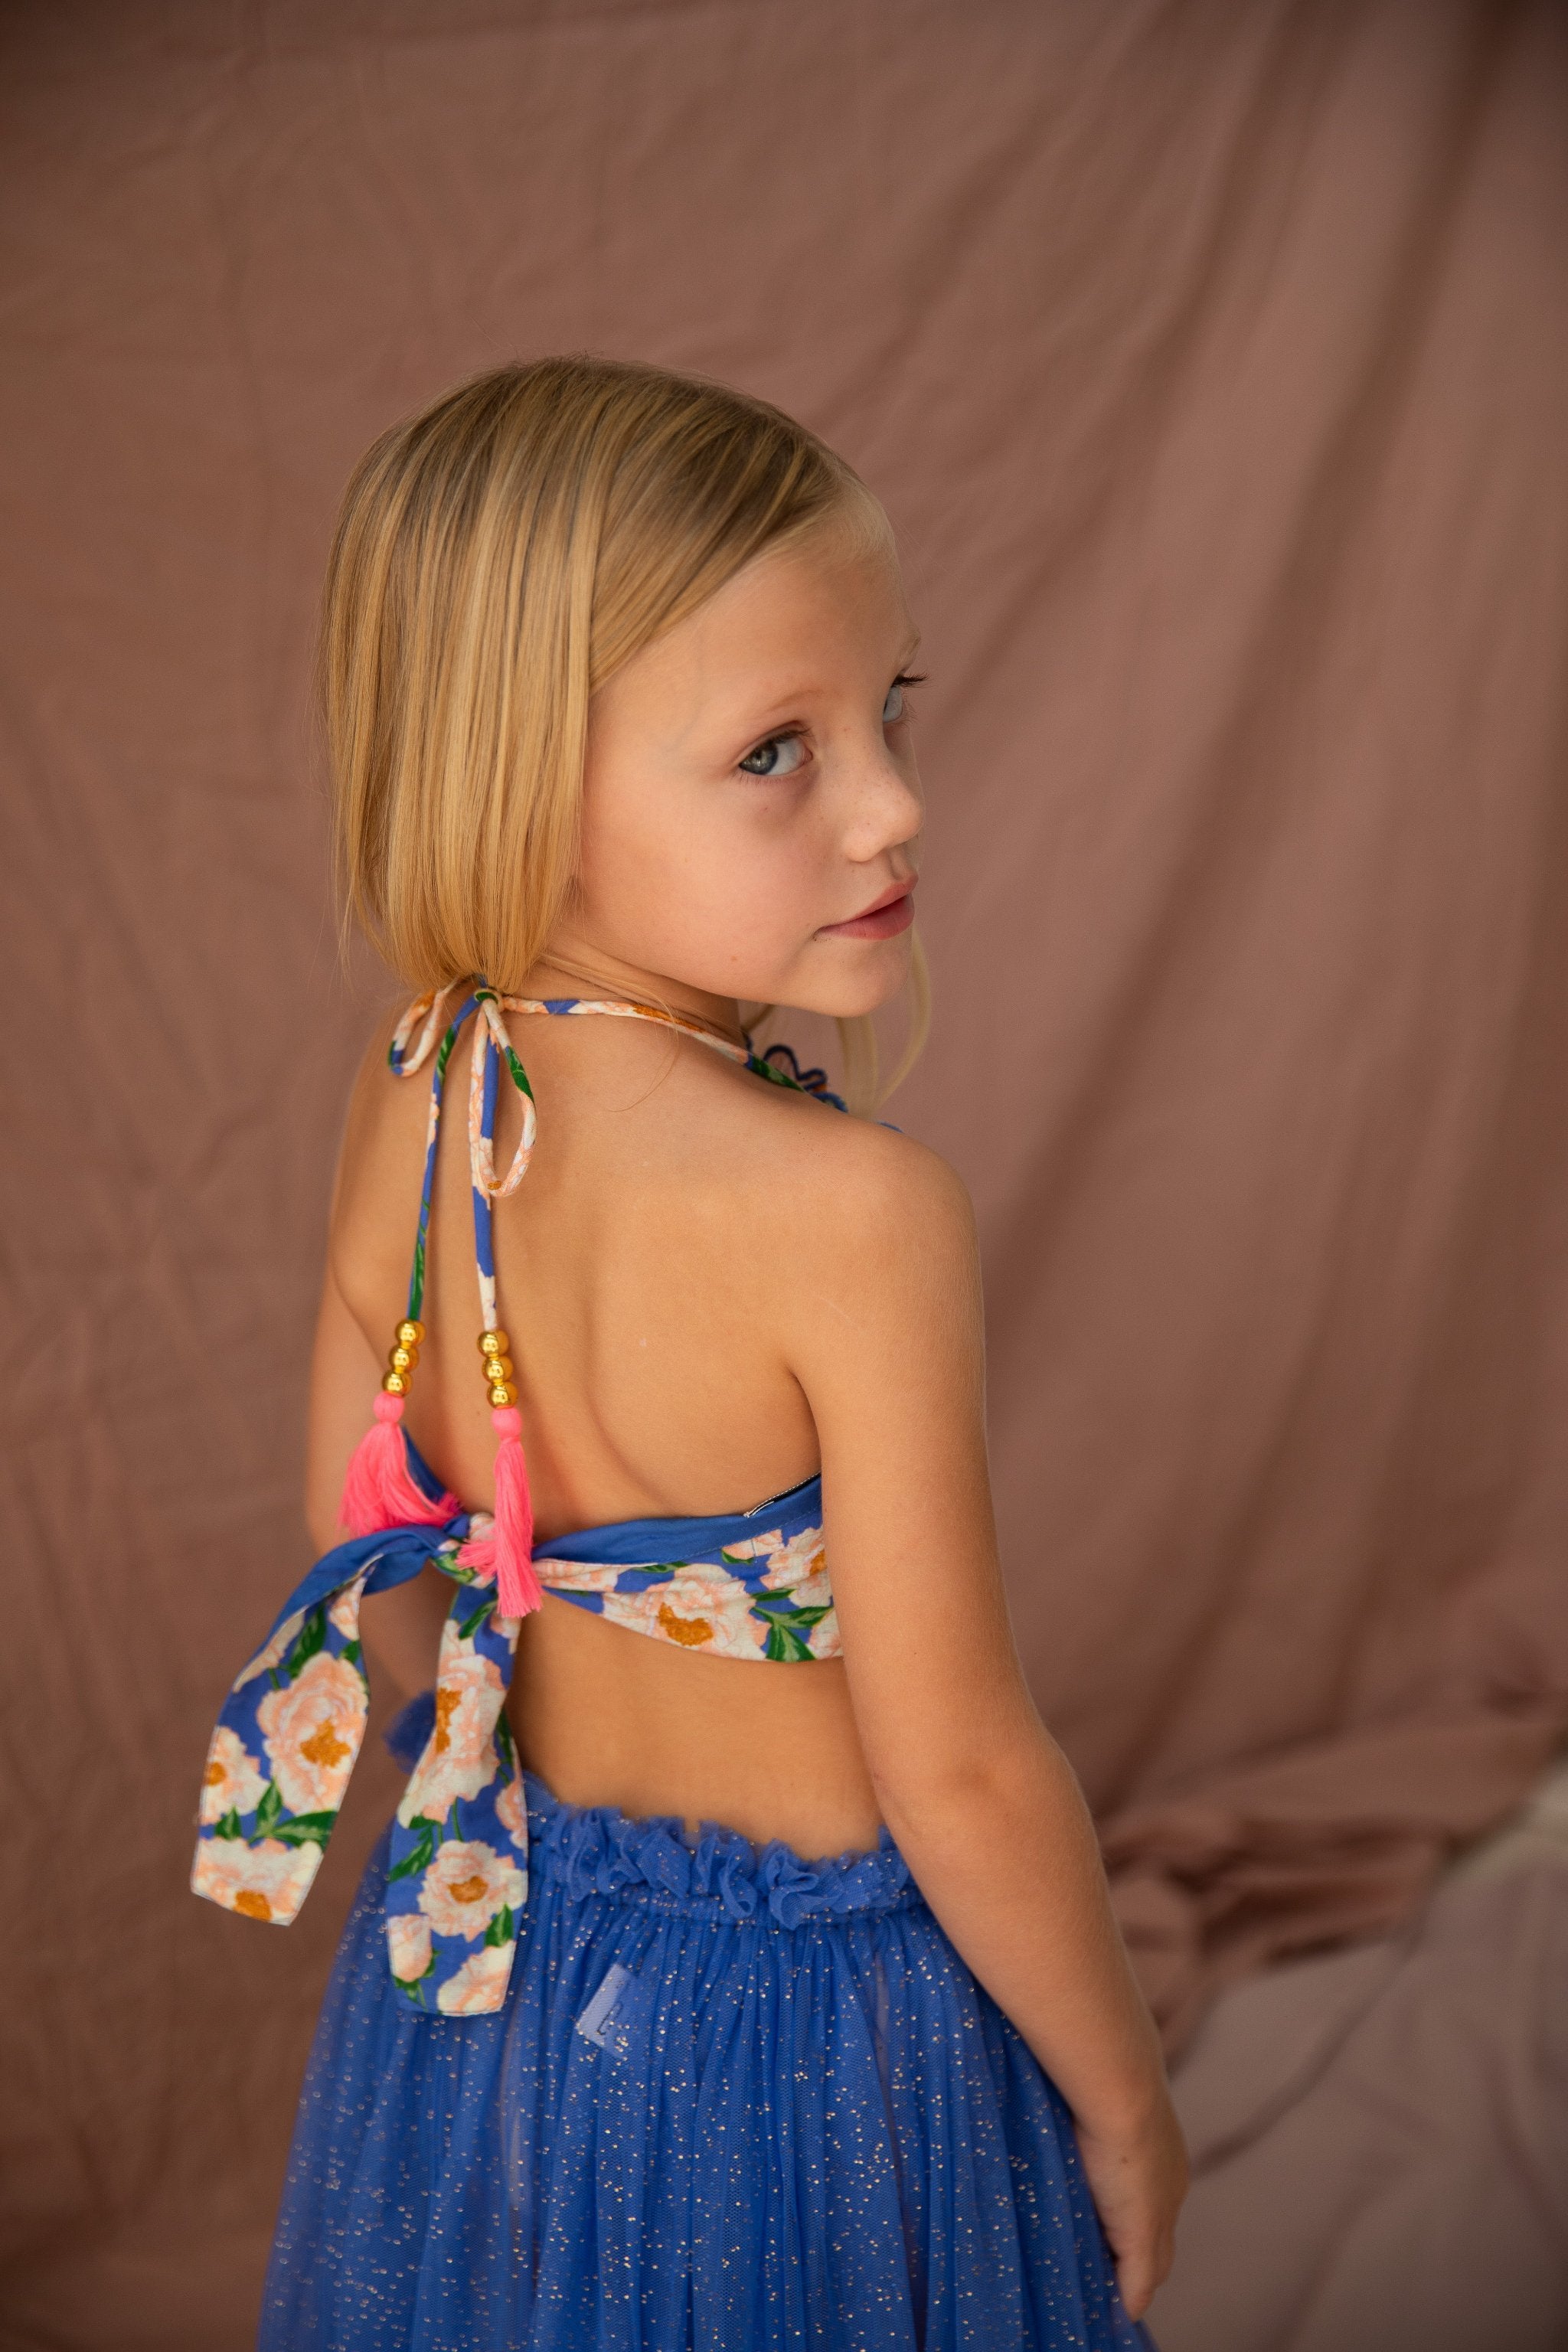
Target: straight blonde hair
498,557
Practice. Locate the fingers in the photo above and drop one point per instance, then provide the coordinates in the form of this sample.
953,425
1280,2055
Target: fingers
1136,2286
1142,2269
1137,2278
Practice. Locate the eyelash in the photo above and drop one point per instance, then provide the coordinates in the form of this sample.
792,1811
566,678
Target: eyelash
790,735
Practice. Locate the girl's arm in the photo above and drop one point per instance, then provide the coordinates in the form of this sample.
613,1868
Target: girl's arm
886,1339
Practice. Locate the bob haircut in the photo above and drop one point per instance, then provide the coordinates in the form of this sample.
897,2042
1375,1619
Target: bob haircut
497,556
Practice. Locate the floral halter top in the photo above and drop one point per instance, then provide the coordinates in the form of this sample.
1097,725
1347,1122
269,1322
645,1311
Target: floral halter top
753,1585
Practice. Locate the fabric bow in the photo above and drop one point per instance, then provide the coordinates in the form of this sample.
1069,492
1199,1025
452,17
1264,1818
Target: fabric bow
286,1740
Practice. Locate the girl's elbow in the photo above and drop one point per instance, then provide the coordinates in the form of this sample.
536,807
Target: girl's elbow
935,1787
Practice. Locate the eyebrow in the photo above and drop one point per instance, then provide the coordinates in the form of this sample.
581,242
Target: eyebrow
801,691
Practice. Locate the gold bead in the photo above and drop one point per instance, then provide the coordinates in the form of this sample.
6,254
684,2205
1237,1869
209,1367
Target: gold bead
403,1360
410,1333
503,1393
493,1343
395,1384
499,1367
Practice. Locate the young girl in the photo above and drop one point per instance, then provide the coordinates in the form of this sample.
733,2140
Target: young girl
738,1970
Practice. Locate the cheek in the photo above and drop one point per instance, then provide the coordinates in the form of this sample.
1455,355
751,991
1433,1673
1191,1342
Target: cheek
722,879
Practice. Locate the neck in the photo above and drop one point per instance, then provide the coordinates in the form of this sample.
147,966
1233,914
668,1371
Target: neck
574,968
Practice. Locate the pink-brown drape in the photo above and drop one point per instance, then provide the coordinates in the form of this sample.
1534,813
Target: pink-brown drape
1211,357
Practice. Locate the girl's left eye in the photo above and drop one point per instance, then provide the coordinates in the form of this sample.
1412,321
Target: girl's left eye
895,708
781,755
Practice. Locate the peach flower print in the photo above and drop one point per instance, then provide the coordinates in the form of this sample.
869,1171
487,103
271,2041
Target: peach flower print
231,1782
312,1729
479,1987
511,1811
639,1612
823,1639
273,1650
466,1885
578,1575
461,1759
269,1881
799,1566
343,1614
408,1945
699,1608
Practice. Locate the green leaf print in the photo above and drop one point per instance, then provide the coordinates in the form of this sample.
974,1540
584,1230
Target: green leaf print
470,1626
419,1856
783,1642
268,1811
782,1607
311,1637
505,1747
228,1826
518,1075
502,1928
351,1653
306,1828
788,1626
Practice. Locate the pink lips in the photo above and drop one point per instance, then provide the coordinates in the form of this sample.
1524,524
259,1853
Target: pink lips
884,919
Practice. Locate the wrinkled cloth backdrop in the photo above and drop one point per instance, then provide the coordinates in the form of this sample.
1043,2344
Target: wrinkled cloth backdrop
1211,358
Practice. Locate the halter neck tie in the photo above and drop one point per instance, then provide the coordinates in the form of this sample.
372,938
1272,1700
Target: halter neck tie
379,1491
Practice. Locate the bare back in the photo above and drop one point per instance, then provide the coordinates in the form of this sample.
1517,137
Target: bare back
641,1269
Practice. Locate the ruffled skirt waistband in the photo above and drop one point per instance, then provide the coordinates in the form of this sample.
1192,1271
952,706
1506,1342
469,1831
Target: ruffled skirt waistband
652,1862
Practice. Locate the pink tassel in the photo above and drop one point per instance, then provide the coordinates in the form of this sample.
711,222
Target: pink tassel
379,1490
509,1547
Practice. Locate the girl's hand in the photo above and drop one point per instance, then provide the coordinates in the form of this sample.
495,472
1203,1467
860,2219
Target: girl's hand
1138,2178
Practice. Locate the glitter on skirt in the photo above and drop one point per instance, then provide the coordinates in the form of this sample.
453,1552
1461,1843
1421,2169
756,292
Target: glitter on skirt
735,2102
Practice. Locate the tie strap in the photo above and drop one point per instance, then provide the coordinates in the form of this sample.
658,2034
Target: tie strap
287,1741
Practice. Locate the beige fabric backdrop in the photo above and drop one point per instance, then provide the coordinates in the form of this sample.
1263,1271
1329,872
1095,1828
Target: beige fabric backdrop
1211,357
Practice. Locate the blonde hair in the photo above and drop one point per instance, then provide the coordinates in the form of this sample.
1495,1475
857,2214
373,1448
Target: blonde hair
497,556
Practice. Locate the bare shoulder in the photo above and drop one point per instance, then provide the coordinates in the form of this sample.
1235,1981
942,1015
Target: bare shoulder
853,1200
865,1188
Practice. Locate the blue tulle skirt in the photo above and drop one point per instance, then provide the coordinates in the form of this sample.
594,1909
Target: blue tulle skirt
735,2103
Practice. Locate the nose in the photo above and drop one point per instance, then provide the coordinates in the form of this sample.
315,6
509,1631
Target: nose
885,808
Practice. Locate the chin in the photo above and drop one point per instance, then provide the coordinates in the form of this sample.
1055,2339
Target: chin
846,995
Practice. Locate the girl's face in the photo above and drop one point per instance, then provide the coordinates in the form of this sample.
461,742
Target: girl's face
751,807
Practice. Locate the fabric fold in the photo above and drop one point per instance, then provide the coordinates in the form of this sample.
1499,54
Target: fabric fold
289,1733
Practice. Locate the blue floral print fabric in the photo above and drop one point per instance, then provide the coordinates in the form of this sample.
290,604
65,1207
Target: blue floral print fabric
752,1585
286,1744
